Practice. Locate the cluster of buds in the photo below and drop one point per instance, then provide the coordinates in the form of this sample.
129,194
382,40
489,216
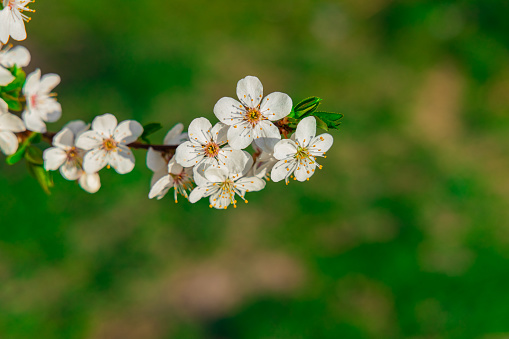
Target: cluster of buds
208,161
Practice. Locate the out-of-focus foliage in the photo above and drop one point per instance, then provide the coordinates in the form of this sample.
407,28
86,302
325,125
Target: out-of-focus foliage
403,234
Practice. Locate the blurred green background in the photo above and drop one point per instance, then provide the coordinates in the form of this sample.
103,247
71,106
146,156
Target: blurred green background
403,234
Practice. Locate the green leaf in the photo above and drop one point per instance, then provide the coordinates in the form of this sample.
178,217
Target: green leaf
17,84
306,107
328,120
42,176
11,100
149,129
20,153
33,154
16,157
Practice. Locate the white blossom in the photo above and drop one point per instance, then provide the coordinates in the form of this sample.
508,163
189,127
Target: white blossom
12,20
19,56
41,104
203,149
64,154
251,118
177,177
107,144
223,183
299,156
67,157
157,161
9,124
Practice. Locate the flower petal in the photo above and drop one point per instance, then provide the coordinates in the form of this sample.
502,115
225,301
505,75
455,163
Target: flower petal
128,131
77,127
250,91
250,184
4,25
174,167
216,175
53,157
18,55
306,131
70,171
229,111
189,154
8,143
122,160
305,169
199,192
267,136
10,122
105,124
90,182
5,77
220,133
161,187
32,83
283,169
64,139
155,160
89,140
199,130
321,144
240,136
285,149
95,160
276,106
33,122
49,82
220,200
17,27
174,135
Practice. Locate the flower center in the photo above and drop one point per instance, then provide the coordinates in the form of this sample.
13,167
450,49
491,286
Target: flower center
109,144
33,101
302,153
253,116
72,153
211,149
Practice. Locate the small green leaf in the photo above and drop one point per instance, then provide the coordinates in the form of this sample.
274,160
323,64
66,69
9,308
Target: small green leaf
20,153
33,154
328,120
17,84
16,157
306,107
11,100
42,176
149,129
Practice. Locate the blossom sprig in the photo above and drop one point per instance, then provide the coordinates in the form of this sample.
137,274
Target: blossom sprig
211,160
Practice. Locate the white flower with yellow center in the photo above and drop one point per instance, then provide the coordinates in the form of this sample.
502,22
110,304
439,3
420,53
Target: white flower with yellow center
19,56
224,183
9,124
298,156
177,177
107,144
64,154
204,148
157,161
251,118
41,104
12,20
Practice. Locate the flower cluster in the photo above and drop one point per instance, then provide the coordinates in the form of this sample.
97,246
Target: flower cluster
210,160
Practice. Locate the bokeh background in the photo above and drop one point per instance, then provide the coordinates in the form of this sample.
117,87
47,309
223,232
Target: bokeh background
403,234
